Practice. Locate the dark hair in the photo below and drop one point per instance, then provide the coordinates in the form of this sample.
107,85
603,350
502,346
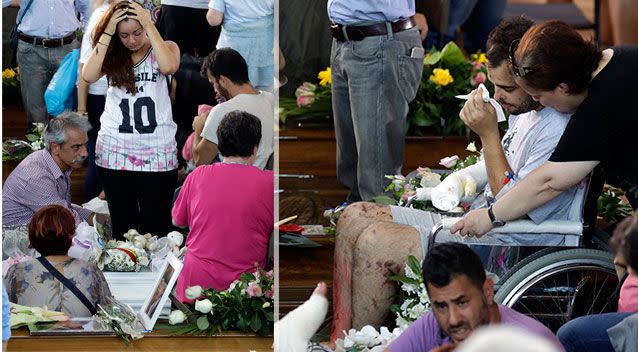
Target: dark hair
446,261
501,37
51,229
238,133
226,62
625,240
118,63
555,53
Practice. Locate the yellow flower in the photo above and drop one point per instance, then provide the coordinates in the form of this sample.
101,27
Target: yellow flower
441,77
481,59
8,73
325,77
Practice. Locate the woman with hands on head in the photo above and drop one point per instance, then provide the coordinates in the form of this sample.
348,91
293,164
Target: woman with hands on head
136,153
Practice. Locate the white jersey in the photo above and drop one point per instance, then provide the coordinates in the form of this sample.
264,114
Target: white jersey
138,131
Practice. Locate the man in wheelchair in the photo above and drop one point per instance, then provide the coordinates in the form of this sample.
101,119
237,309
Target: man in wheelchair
374,241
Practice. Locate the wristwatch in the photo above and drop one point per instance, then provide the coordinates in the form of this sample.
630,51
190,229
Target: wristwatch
495,222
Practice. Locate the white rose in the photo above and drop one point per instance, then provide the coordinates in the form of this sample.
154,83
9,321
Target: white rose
176,238
449,161
203,306
430,179
471,148
193,292
469,186
176,317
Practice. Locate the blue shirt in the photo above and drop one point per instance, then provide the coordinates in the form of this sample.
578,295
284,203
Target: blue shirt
361,11
52,18
6,315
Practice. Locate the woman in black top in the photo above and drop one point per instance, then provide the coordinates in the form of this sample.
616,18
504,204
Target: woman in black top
557,67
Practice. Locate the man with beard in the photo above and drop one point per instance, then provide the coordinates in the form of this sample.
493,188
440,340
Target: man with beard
227,71
373,242
462,300
44,177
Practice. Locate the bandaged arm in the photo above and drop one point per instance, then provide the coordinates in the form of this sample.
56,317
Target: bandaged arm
460,184
293,332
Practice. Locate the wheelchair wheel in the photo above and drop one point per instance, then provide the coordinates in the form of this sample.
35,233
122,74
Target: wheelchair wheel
554,287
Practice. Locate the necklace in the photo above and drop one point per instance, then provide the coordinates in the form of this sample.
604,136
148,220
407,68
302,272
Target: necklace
235,162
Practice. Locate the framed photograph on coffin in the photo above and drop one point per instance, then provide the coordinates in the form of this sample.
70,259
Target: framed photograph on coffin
164,283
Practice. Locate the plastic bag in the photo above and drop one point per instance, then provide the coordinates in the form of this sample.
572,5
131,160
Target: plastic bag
59,94
85,244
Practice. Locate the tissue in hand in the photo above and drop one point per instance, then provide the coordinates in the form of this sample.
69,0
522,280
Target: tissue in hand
500,115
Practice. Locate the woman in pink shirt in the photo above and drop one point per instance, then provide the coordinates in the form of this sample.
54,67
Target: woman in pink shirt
229,208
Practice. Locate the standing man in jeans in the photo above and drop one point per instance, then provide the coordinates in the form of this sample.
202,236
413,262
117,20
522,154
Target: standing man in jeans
377,62
45,35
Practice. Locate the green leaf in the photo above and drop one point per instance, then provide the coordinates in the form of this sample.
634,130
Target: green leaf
384,200
247,277
32,137
420,118
405,279
433,58
242,324
414,265
255,323
451,55
202,322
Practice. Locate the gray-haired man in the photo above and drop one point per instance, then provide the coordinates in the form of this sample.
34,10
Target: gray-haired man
44,177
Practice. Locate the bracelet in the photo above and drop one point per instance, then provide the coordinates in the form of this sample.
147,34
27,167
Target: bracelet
110,35
99,42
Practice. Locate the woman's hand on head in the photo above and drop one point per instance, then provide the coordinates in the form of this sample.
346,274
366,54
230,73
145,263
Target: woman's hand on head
118,15
142,15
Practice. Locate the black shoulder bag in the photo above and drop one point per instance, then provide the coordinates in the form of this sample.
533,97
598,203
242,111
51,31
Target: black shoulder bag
66,282
13,38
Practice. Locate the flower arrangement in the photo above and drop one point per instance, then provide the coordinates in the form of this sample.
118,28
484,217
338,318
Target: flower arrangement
455,163
311,101
415,191
404,189
23,315
611,207
368,339
435,110
446,73
247,305
121,319
14,149
414,297
136,251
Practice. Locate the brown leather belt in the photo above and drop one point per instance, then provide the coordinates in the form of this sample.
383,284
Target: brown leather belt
357,33
47,42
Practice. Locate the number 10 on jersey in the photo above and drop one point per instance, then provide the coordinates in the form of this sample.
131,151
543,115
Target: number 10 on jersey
140,127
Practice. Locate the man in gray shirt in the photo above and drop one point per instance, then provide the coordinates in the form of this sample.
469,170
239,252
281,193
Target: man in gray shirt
374,241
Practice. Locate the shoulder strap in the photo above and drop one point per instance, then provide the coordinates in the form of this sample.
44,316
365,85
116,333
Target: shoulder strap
66,282
25,12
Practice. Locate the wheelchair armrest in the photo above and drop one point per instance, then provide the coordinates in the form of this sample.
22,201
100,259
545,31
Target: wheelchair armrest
528,226
563,227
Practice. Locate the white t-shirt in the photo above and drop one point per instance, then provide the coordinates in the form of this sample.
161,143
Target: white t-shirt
196,4
261,105
137,132
101,85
